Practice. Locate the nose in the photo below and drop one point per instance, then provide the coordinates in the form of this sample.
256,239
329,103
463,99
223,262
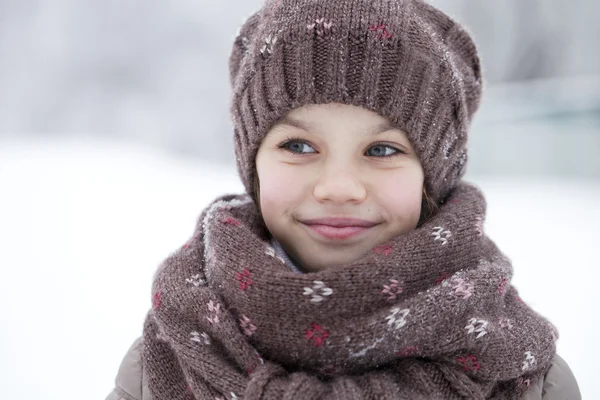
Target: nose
339,183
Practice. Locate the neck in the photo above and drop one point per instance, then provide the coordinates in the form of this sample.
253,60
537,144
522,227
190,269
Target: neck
294,266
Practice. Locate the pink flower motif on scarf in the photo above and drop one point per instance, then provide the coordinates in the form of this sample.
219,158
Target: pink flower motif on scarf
407,351
215,310
157,300
392,290
469,363
317,334
247,326
463,288
259,361
523,382
384,249
244,278
502,286
382,28
441,278
320,26
231,221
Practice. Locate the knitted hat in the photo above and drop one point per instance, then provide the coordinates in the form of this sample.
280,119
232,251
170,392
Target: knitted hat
403,59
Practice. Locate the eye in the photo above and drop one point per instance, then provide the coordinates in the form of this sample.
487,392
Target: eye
297,146
382,150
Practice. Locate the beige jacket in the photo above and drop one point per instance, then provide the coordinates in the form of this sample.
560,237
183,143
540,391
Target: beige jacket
131,384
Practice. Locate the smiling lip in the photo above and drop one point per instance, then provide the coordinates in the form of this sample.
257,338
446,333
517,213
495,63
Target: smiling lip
338,228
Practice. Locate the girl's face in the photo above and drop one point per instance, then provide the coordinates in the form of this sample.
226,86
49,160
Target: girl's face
335,182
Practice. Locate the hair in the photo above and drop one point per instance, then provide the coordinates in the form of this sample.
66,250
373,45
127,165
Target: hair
428,206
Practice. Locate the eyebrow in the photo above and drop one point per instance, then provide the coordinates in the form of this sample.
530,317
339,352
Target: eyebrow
380,128
296,124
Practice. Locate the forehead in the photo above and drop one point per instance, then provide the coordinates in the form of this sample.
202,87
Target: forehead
335,116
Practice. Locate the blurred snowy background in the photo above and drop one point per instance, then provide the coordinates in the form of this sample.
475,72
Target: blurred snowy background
114,134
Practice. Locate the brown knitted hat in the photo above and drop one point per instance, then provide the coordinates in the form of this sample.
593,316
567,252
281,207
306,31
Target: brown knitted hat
403,59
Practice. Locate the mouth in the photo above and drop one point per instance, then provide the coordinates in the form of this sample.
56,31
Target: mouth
338,228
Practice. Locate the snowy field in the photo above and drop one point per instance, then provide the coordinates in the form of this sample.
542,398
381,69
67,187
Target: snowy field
84,224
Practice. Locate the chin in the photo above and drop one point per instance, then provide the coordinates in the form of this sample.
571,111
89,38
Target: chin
327,263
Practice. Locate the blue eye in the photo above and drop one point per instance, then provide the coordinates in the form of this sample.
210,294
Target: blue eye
297,147
381,150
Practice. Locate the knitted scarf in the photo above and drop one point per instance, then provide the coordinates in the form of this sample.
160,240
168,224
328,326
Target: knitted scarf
429,314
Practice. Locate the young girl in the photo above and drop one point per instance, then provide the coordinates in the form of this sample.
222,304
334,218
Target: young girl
356,266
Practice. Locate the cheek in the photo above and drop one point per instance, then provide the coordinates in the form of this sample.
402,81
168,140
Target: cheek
402,200
280,189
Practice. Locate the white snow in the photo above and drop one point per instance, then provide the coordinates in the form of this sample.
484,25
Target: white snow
84,224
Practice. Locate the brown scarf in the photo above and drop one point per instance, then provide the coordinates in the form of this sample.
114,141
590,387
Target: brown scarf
430,314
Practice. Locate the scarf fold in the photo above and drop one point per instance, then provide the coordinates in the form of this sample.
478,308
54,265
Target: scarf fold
429,314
